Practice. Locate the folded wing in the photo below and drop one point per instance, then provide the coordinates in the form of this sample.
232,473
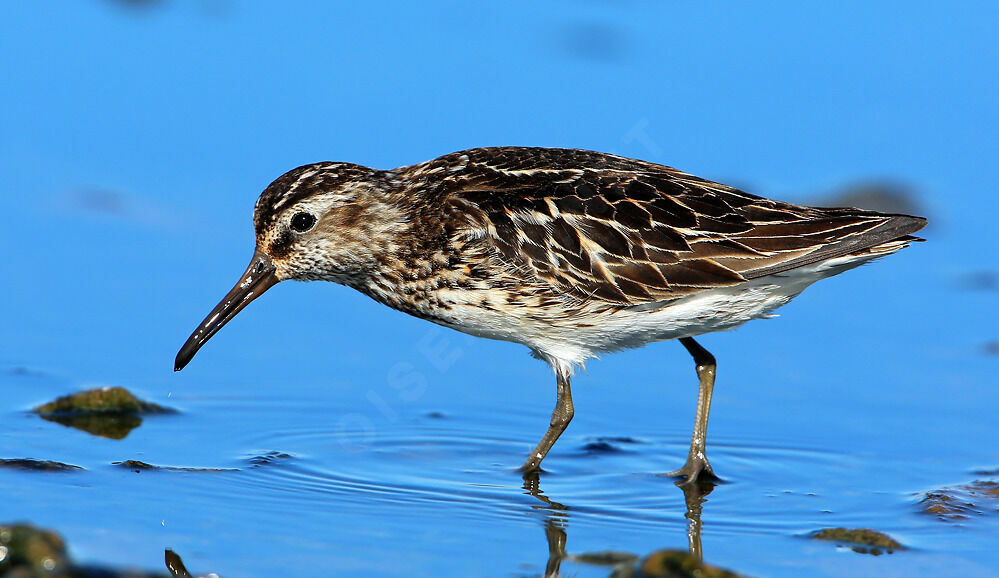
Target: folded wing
602,227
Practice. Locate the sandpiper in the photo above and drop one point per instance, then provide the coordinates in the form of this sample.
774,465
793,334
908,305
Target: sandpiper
569,252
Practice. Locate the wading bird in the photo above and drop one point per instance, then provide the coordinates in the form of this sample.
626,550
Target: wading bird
569,252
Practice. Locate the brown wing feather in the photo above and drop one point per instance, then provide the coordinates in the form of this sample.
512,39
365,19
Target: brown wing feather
596,226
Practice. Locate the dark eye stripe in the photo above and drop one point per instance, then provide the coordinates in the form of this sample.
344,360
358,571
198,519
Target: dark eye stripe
302,222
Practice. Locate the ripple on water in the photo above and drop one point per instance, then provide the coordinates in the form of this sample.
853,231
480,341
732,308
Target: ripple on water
432,461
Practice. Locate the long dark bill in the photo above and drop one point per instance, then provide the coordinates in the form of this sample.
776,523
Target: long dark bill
259,277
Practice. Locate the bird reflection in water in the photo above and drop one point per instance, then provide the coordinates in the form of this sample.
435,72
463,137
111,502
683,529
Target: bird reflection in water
557,521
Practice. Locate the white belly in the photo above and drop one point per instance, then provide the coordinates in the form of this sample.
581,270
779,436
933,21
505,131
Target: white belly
569,340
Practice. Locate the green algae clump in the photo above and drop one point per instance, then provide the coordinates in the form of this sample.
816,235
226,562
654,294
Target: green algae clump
109,412
861,540
961,502
680,564
100,400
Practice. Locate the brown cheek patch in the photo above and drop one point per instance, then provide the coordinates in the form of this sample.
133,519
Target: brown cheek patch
346,216
281,246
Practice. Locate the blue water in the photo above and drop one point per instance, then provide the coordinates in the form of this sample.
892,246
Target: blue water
135,138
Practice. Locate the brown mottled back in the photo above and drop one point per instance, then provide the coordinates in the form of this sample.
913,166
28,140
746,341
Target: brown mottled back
598,226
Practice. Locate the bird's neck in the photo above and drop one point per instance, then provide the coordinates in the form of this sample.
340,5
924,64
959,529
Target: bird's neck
413,259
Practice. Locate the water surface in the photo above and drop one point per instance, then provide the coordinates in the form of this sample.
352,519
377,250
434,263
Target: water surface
321,434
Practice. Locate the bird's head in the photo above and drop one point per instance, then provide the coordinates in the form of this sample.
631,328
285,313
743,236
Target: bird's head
324,221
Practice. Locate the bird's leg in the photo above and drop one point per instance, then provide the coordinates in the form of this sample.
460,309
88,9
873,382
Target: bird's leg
561,416
697,466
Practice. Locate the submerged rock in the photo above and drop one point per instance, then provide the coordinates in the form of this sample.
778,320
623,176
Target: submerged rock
601,447
110,412
659,564
608,445
267,459
679,564
886,197
38,465
137,467
861,540
982,280
100,400
30,552
961,502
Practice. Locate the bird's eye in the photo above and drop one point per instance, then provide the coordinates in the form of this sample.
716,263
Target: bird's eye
302,222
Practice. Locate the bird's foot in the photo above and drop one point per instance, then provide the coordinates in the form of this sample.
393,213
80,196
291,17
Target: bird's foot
697,469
